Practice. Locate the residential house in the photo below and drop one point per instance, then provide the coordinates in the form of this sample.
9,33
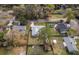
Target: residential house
35,30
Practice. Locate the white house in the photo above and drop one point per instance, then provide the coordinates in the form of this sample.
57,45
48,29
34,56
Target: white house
35,30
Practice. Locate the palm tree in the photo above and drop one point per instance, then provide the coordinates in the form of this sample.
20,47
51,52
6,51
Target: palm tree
69,15
45,34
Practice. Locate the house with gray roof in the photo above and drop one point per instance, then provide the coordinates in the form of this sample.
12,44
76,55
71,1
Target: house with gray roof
70,44
21,29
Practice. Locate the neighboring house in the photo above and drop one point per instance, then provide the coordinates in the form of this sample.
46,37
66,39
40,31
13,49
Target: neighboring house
21,29
61,27
71,46
35,30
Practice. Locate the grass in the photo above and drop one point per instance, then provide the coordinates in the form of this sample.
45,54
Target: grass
72,32
54,32
6,17
56,16
60,10
77,40
40,23
35,51
2,23
34,41
59,48
2,51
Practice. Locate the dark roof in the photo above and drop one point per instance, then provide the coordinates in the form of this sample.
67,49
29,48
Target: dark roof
62,26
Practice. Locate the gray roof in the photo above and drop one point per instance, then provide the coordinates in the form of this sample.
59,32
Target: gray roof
61,26
70,44
20,28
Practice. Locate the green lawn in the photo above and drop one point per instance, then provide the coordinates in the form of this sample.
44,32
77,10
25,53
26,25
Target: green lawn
40,23
77,40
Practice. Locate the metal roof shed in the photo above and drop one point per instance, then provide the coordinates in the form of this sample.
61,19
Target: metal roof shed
70,44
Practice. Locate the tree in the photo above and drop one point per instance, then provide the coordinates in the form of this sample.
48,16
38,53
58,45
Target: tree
32,12
20,14
69,15
45,34
1,36
2,39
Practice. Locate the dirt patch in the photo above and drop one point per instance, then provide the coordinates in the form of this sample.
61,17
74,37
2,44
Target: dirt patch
19,50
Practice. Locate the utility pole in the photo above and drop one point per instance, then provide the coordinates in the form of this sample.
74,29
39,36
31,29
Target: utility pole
28,37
